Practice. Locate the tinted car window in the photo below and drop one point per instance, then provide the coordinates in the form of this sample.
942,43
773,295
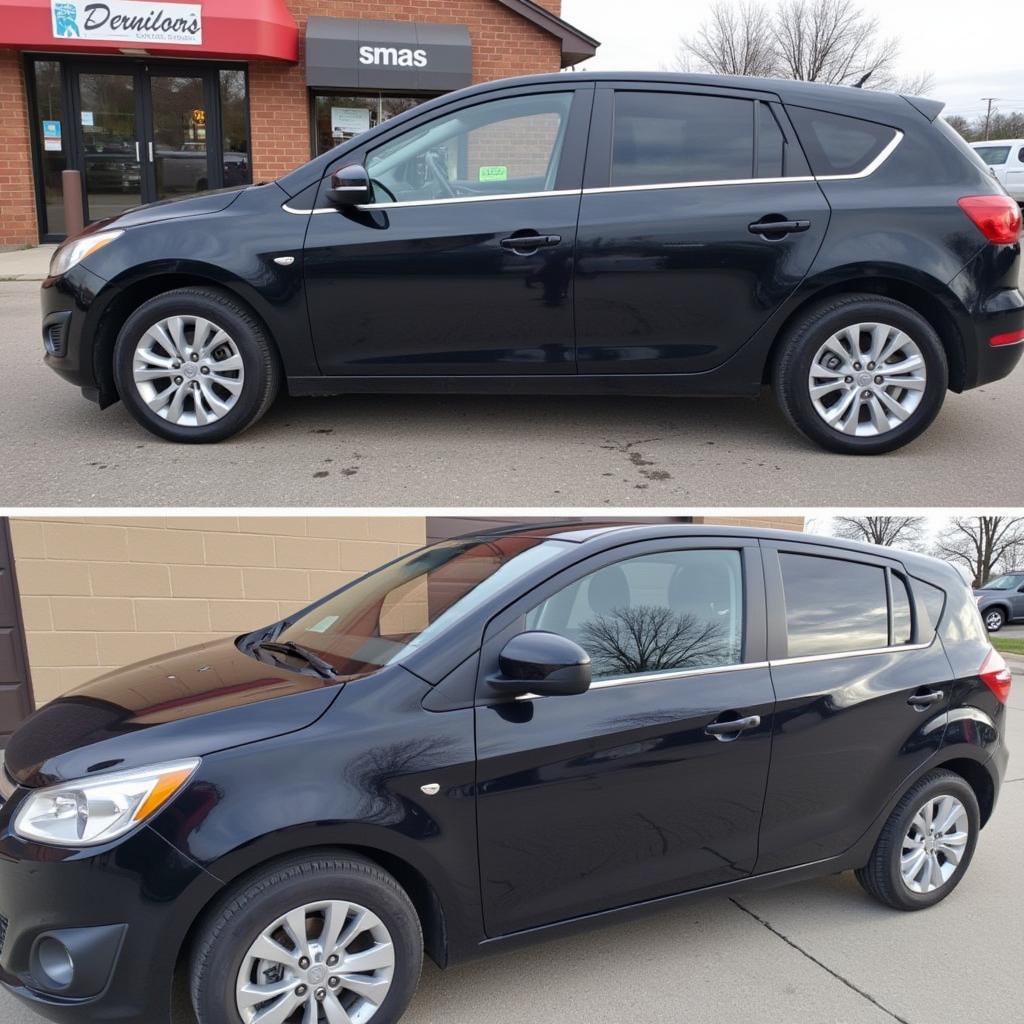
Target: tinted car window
505,146
674,610
836,144
833,606
663,137
902,620
934,600
770,143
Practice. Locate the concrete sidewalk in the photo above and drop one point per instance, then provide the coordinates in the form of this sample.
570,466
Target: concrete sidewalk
26,264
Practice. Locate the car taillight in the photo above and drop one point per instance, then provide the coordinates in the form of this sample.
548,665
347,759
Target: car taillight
996,675
996,217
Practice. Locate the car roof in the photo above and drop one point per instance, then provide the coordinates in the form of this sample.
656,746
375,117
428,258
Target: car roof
999,142
609,533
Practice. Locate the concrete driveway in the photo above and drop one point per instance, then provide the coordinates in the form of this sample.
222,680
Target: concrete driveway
441,450
819,952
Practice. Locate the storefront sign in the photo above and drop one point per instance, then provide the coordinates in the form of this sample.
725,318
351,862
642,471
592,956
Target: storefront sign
51,136
349,121
127,21
358,54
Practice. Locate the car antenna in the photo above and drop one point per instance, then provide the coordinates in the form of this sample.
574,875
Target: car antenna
860,84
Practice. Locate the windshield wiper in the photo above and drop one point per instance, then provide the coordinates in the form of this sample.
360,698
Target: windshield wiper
324,668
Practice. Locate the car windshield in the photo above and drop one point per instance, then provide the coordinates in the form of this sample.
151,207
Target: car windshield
994,156
1010,582
380,617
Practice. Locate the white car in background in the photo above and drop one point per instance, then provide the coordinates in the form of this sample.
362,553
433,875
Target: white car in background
1006,158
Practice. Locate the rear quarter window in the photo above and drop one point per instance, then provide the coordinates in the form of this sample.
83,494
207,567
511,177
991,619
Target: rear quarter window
836,144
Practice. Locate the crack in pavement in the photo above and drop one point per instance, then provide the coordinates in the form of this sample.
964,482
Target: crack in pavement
814,960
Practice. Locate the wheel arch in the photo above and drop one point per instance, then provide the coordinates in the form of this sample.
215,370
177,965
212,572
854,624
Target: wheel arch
132,294
922,299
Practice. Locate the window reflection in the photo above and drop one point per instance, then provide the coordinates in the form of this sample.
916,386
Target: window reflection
669,611
52,140
234,121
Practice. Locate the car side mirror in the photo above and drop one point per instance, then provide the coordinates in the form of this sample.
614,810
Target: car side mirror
350,186
546,664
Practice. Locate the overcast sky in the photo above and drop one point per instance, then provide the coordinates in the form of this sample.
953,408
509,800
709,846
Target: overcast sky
971,51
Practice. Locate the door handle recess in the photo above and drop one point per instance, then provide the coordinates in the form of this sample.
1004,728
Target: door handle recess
920,701
769,227
725,730
530,243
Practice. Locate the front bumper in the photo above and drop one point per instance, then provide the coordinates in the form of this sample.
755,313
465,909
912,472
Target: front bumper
128,907
70,300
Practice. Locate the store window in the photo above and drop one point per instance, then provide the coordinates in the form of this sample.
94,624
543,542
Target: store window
234,121
51,139
338,118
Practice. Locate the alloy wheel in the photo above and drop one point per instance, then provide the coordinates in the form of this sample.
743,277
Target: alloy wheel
867,379
993,620
188,370
934,844
323,963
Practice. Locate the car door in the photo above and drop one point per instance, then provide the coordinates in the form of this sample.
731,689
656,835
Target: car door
463,264
699,218
1015,173
621,794
862,684
1017,601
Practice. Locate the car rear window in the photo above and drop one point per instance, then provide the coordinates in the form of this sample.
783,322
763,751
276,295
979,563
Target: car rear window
934,600
902,618
836,144
666,137
833,605
994,156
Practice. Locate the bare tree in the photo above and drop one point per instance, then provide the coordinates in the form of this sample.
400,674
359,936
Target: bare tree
982,544
890,531
651,637
736,39
831,41
921,84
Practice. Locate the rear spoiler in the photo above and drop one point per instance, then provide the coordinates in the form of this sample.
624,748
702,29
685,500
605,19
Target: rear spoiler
930,108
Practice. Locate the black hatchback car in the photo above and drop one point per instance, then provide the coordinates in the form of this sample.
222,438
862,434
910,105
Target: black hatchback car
586,233
489,740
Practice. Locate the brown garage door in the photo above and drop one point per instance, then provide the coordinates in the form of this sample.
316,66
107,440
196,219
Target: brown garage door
445,527
15,687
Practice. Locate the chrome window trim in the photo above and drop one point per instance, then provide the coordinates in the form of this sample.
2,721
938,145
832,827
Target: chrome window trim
611,189
651,677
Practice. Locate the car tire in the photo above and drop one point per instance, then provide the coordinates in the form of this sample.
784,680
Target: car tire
218,402
224,946
883,875
805,340
995,619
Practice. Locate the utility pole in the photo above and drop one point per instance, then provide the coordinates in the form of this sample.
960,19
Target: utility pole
988,117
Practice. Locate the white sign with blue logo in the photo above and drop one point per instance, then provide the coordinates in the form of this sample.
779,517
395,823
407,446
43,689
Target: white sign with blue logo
51,136
127,20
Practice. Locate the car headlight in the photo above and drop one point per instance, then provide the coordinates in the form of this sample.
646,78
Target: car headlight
88,812
77,249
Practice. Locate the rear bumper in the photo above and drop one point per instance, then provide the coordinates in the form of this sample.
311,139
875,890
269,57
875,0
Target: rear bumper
125,911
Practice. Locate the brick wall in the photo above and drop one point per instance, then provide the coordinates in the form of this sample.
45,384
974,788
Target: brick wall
764,522
504,44
17,205
97,594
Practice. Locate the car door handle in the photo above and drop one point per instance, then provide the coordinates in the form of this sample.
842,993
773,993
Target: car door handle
920,701
732,728
778,227
530,243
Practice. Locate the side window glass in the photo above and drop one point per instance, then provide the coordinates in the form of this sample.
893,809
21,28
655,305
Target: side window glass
665,137
833,606
902,621
934,601
675,610
770,143
503,147
836,144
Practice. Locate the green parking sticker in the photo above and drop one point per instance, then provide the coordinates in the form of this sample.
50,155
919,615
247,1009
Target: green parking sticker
494,174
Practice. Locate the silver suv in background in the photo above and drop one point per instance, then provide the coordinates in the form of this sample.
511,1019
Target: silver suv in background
1006,158
1001,600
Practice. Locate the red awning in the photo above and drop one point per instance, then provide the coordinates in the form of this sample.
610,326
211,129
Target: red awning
249,29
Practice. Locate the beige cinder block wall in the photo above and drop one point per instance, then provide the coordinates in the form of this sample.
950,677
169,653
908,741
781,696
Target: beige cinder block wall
797,523
99,593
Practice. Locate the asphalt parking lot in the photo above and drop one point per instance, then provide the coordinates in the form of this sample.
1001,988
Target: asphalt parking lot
518,451
820,952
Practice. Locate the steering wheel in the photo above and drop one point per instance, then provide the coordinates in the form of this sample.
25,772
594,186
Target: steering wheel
439,172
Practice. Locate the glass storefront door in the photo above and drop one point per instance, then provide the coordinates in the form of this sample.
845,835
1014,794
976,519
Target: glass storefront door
110,142
138,132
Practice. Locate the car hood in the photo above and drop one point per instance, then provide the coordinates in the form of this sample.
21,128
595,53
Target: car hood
185,704
198,205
